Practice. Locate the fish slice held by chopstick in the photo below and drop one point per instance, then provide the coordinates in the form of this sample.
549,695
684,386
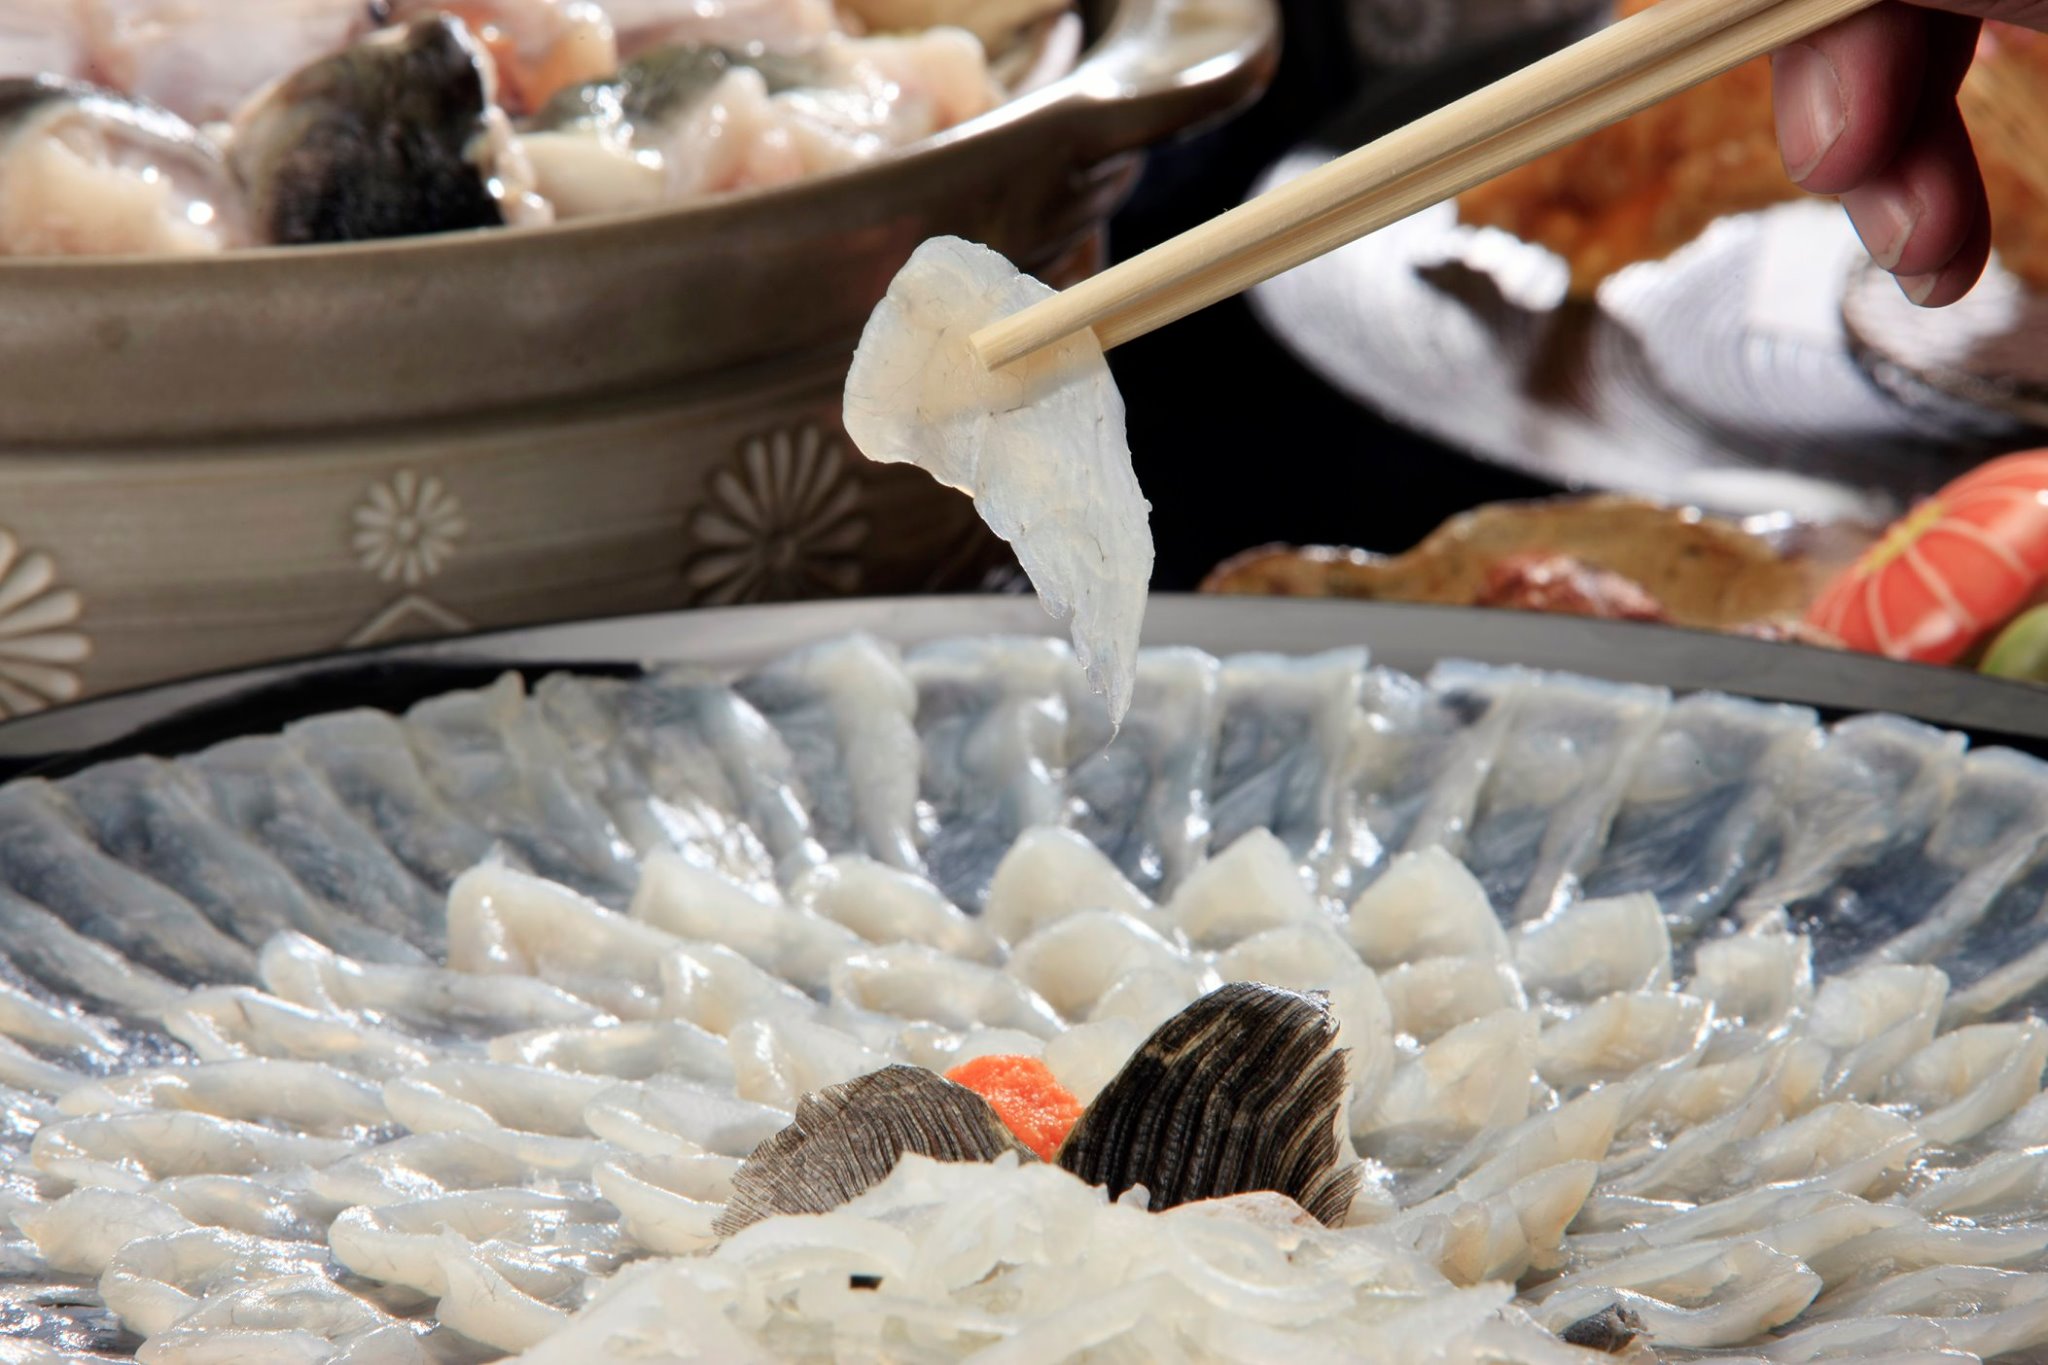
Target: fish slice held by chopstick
998,385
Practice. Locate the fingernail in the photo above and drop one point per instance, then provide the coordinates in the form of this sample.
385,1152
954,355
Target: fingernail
1919,288
1885,222
1811,110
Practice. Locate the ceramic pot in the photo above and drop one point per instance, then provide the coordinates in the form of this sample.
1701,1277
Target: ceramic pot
265,454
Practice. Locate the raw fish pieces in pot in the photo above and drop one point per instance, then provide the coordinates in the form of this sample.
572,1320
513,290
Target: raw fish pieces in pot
696,119
87,173
393,137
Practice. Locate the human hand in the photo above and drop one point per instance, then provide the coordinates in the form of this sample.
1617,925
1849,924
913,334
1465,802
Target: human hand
1867,110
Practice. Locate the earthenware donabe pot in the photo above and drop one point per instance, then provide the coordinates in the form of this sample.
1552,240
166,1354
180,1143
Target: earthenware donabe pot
263,454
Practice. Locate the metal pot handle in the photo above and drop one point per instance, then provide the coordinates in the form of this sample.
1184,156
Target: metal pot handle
1170,67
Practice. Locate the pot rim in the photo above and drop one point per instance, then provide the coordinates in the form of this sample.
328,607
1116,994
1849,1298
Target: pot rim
1114,70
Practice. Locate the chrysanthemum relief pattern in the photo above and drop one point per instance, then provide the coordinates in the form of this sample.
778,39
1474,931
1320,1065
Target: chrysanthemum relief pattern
781,522
40,647
407,528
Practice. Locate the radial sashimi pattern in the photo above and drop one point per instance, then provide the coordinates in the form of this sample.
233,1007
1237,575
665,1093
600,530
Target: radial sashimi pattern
440,1037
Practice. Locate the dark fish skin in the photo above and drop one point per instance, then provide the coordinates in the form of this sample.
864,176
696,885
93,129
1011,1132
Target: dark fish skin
1239,1092
138,122
1613,1330
374,142
847,1138
20,94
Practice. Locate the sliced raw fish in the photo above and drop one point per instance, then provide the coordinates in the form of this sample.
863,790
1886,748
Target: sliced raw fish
1595,948
1554,784
1073,962
1761,980
303,1316
693,813
1423,755
1878,784
992,717
1918,901
1691,819
299,1096
697,739
44,949
1140,794
1429,998
235,1022
885,905
1050,873
366,760
264,788
795,944
670,1118
507,923
1285,759
1934,897
460,1096
635,1051
401,1243
47,859
126,1151
154,1282
847,712
157,819
1424,905
1039,445
483,752
1252,886
915,982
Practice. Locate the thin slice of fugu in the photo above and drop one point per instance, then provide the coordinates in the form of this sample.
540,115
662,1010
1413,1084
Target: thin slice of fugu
1144,800
1039,445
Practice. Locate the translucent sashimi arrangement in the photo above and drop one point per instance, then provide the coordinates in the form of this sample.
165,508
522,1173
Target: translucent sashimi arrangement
1653,1026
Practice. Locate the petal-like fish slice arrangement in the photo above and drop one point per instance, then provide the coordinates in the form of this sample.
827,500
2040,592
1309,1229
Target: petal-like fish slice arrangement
1487,1015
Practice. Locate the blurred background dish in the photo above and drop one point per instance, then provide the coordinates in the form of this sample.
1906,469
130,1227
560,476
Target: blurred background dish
1608,556
1961,580
269,453
1656,310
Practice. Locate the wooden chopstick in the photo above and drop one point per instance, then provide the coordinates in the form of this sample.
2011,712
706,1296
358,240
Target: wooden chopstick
1618,72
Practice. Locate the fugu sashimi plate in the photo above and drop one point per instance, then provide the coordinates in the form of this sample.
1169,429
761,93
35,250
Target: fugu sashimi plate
562,1018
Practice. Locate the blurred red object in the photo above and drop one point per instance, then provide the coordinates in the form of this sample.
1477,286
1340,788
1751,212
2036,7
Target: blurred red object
1952,572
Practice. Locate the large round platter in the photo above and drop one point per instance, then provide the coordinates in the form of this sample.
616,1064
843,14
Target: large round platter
422,1005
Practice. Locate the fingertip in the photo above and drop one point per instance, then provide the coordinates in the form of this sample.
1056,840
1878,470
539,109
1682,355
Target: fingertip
1922,212
1845,99
1954,281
